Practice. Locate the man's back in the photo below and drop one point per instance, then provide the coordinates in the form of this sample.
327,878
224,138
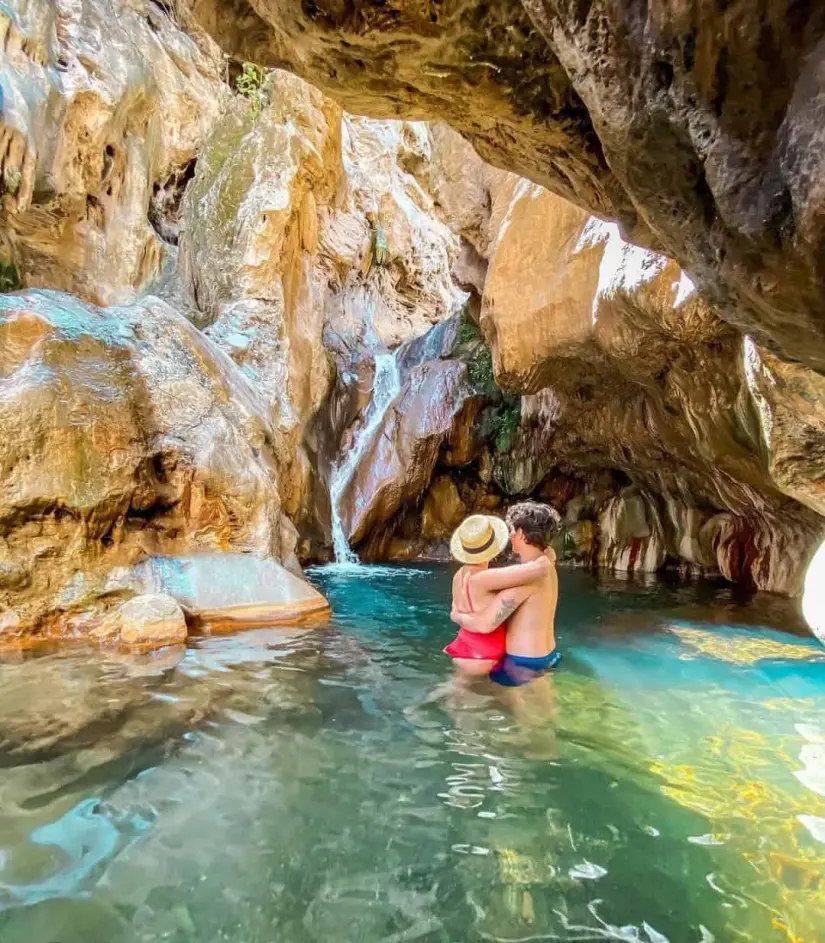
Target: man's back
531,628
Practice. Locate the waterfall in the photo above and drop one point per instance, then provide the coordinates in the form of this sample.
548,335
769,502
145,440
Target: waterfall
385,388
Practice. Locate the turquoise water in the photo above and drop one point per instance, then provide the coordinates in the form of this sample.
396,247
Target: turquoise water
668,783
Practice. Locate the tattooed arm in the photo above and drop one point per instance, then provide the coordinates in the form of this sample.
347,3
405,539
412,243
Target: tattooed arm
499,610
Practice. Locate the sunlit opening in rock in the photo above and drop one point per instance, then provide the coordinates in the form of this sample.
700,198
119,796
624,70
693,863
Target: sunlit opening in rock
813,594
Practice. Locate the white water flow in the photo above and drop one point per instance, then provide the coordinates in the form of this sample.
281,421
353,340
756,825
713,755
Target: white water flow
385,388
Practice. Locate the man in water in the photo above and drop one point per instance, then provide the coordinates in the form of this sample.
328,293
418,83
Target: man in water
528,610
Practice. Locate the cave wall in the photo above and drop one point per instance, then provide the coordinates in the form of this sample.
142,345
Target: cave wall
698,127
624,375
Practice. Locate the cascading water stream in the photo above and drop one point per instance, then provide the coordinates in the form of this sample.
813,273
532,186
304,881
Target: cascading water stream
385,388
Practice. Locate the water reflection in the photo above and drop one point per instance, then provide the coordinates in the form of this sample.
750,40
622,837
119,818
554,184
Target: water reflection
305,786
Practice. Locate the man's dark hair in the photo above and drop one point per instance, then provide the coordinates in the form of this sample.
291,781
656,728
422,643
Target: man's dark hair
538,522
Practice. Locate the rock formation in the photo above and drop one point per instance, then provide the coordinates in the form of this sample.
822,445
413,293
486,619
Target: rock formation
278,202
124,432
653,424
225,591
146,621
105,107
299,301
277,250
696,126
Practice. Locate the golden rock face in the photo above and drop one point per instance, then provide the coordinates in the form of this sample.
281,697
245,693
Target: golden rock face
125,432
278,233
106,105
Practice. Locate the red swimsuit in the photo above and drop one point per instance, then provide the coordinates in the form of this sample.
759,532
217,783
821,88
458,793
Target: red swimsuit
487,646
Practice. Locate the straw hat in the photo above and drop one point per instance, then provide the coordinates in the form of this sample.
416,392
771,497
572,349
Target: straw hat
479,538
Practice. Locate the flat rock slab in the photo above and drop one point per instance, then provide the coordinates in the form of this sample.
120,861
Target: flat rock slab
226,591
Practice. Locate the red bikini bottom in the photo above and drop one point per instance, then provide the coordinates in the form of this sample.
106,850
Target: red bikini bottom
479,645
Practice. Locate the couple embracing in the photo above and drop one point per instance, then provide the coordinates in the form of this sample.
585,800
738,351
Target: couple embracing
506,615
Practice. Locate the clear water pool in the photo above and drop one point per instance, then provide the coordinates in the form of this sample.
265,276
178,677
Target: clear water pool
669,784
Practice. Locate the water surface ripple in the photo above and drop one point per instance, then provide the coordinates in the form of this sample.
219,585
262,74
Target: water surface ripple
668,784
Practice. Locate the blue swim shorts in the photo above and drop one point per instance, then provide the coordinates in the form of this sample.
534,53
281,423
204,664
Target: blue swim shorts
514,670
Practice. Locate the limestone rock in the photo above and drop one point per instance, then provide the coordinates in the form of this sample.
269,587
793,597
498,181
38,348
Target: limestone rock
222,591
148,621
249,219
106,104
696,126
636,374
443,509
278,256
397,464
630,535
123,432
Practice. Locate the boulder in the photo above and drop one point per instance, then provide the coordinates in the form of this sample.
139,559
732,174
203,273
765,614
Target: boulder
396,464
226,591
146,621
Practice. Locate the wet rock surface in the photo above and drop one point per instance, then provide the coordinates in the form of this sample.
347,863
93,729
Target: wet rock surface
220,591
146,621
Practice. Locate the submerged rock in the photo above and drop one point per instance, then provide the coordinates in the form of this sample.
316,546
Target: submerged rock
222,591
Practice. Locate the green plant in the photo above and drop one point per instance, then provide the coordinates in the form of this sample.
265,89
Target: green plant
501,418
500,422
250,85
480,369
508,421
9,277
468,332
